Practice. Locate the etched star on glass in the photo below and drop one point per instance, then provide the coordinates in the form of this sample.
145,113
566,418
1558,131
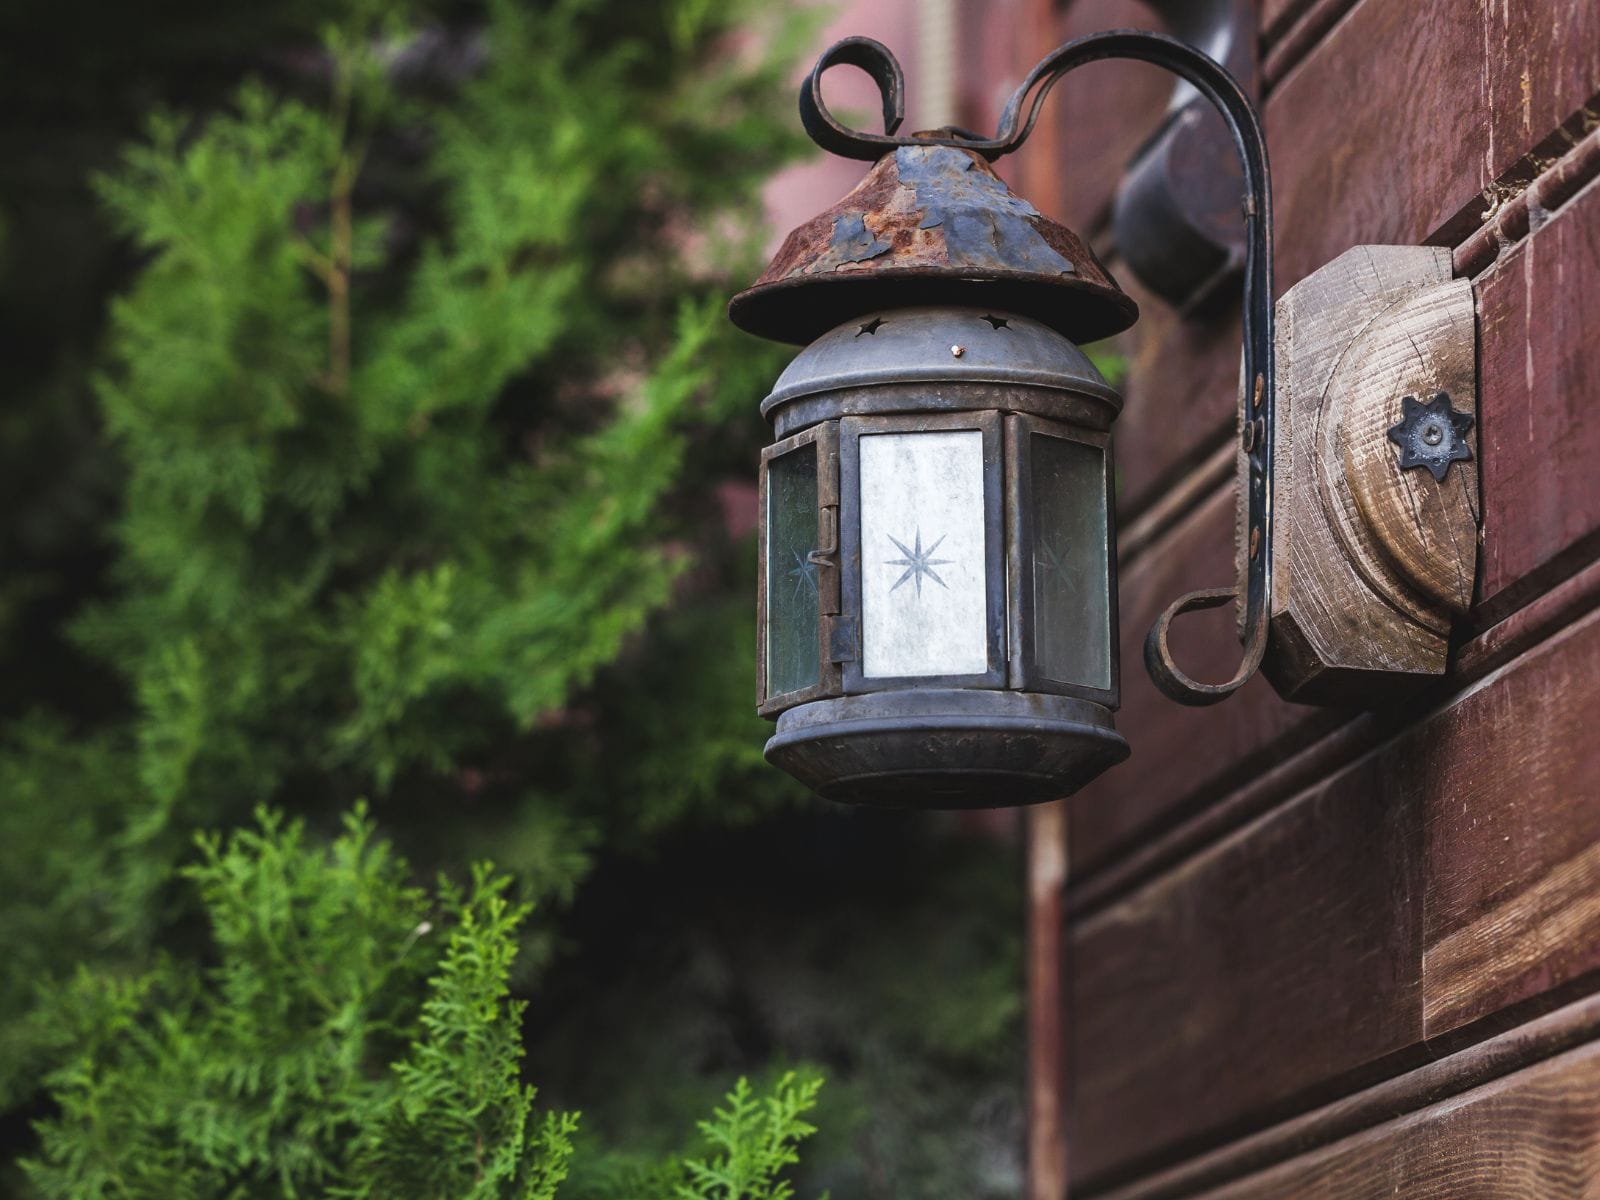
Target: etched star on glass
918,562
804,572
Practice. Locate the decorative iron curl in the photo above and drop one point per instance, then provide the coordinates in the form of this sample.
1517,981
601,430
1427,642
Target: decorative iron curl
1016,122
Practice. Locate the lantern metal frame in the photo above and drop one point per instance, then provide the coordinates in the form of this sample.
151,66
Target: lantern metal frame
1008,401
851,430
1026,672
824,440
932,244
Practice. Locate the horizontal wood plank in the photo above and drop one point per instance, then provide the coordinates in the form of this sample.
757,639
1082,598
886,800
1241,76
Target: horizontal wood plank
1534,1135
1218,743
1174,840
1360,155
1539,443
1285,956
1513,837
1302,949
1436,1081
1540,427
1277,15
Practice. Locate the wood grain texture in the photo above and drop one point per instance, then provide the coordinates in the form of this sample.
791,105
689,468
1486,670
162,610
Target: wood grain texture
1534,1135
1513,836
1435,1081
1539,443
1285,956
1362,152
1337,742
1439,878
1541,381
1361,155
1227,741
1423,529
1370,562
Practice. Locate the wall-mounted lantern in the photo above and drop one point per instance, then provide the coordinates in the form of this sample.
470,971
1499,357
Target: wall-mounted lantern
938,604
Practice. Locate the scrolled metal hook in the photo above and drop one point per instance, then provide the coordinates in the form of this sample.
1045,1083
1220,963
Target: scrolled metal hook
879,62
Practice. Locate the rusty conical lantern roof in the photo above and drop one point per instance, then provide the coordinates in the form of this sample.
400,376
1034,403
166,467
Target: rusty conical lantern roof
932,224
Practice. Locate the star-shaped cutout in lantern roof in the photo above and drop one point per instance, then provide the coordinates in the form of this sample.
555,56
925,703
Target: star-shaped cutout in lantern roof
1431,434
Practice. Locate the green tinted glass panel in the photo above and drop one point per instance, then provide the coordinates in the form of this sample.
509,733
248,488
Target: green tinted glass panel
1071,580
793,657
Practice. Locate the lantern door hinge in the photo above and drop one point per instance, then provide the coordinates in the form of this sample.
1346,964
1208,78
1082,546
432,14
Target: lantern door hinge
826,559
843,644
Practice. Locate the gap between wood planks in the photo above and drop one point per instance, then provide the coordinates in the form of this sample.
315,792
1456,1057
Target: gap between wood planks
1529,195
1289,39
1413,1075
1553,597
1433,1073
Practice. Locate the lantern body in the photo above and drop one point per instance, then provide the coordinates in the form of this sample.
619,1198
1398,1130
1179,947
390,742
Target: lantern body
937,602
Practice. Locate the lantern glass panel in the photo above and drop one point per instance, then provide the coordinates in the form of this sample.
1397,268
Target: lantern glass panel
794,659
1071,571
924,600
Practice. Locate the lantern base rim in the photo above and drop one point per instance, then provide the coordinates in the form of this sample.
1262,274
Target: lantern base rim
946,747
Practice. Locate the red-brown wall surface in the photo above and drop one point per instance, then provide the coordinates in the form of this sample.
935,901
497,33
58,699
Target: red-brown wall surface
1304,952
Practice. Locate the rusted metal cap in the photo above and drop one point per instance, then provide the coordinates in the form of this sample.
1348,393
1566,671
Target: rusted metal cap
932,225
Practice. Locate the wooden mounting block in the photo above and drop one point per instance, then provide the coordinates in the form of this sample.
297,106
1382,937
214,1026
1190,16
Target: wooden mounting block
1371,561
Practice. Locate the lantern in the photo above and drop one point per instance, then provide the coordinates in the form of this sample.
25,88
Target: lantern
937,606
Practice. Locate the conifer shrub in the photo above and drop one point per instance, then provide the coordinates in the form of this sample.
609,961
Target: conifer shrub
350,1036
413,418
413,397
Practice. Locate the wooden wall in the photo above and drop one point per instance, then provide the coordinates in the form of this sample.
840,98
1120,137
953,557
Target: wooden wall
1317,953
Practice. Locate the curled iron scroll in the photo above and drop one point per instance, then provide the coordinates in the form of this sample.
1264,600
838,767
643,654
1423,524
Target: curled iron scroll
1016,123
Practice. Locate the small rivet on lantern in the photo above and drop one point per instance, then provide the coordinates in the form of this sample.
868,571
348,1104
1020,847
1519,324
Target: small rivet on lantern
958,351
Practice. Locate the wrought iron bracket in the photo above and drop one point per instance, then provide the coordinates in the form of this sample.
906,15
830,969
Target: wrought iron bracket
1017,121
1173,215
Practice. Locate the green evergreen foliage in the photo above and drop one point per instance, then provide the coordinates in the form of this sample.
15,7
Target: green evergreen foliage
353,1038
755,1139
395,474
885,947
403,395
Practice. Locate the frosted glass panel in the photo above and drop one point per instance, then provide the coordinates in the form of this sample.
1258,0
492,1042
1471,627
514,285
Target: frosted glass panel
793,654
1071,589
922,554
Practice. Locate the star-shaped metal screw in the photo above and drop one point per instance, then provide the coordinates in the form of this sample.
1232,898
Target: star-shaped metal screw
1431,434
918,562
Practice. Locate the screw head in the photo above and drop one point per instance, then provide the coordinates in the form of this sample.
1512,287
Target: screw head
1431,434
958,351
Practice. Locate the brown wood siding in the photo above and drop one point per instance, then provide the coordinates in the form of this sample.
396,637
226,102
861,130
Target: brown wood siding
1353,954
